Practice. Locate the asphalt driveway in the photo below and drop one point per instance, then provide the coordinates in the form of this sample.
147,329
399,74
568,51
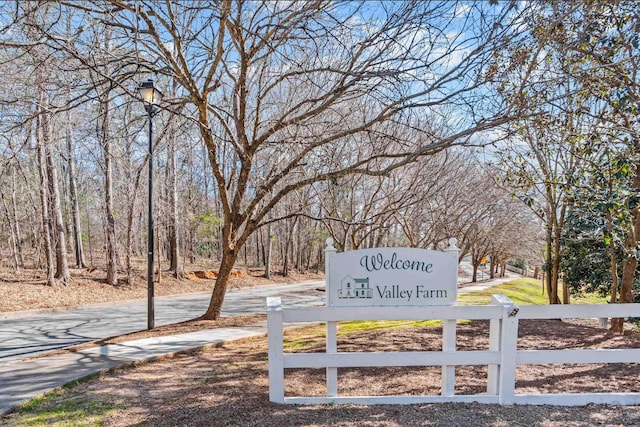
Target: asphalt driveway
28,334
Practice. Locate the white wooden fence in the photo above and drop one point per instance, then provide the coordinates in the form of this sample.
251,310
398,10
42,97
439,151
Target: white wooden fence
502,357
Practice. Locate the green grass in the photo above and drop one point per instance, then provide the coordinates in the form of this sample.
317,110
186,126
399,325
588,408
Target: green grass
56,409
520,291
590,298
523,291
346,328
300,338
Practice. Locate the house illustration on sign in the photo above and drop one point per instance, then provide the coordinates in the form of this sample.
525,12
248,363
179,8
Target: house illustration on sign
354,288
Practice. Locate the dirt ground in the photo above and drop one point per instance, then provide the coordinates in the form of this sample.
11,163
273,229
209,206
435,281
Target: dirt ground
228,385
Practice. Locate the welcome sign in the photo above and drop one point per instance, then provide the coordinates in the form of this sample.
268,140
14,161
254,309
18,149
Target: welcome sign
392,277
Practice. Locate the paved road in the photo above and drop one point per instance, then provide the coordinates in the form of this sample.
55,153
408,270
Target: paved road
29,335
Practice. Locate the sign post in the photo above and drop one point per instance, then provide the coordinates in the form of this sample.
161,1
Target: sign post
332,326
449,332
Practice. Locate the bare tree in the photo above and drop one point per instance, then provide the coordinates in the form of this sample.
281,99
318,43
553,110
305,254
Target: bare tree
73,193
292,80
173,136
50,196
275,88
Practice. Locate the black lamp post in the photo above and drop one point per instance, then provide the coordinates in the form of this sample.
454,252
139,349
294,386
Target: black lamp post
151,97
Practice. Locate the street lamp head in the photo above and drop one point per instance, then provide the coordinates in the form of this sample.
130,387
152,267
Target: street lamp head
151,96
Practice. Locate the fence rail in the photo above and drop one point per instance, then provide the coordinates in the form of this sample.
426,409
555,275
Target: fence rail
501,358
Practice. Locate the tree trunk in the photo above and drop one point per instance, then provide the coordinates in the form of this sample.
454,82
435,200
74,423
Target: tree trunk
260,250
628,273
44,205
112,265
493,268
557,249
13,240
614,276
129,243
284,252
89,240
552,287
287,248
302,249
73,192
220,288
267,265
307,266
555,276
192,247
612,258
174,249
14,211
130,224
62,265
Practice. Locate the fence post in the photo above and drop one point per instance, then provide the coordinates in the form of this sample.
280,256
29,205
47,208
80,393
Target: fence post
332,328
493,375
448,344
275,335
449,336
508,349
